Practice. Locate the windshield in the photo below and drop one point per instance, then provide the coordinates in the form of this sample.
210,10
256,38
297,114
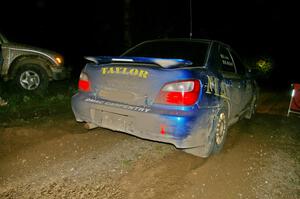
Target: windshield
194,51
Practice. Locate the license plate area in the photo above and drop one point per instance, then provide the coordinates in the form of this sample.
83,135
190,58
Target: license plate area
114,121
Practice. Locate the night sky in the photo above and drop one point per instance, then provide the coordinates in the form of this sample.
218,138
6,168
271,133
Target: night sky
75,29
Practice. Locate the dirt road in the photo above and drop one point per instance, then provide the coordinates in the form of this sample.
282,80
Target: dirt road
54,157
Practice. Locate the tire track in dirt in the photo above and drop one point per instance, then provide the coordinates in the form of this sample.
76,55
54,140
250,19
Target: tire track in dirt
55,157
71,162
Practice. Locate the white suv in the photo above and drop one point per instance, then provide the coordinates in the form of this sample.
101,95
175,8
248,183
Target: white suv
30,68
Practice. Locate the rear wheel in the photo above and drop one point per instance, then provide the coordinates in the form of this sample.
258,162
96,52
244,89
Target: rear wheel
216,139
219,132
31,78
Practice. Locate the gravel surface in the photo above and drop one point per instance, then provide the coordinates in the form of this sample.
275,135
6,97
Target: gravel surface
55,157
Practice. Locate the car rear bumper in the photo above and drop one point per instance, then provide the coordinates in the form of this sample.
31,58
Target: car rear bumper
183,131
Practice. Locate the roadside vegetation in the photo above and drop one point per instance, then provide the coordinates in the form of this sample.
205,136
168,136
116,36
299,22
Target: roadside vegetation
24,106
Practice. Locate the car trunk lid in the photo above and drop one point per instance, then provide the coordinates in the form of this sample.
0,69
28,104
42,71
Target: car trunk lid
133,81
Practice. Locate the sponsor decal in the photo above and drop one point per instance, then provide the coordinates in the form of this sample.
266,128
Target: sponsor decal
226,60
125,71
216,88
123,106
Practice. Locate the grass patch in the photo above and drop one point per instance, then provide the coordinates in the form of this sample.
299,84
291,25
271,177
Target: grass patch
27,106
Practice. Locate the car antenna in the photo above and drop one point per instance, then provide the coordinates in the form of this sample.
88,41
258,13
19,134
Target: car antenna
191,20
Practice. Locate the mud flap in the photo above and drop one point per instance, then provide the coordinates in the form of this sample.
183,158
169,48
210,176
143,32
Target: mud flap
90,126
202,151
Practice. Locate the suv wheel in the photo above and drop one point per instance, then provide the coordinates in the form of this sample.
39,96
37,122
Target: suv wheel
31,78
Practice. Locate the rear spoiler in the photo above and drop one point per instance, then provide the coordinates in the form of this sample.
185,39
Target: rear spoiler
163,62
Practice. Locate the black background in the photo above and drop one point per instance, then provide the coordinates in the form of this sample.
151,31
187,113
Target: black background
253,28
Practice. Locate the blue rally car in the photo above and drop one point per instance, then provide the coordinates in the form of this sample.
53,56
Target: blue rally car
186,92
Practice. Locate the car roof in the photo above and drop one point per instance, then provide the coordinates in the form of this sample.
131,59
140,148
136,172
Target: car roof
209,41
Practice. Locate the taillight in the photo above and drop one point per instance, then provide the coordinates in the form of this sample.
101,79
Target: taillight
183,93
84,83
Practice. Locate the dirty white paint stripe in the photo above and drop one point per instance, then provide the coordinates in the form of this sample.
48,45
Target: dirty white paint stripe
33,51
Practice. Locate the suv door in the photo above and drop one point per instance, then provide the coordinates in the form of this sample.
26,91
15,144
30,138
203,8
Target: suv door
1,57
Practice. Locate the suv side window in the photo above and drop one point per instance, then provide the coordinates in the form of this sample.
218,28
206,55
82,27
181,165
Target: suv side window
1,39
227,64
240,67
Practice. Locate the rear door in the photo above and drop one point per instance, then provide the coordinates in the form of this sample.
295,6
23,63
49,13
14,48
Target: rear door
245,83
232,80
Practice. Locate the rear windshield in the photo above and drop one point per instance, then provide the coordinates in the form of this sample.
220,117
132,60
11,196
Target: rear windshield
189,50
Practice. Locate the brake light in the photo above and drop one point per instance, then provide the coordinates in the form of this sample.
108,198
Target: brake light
183,93
84,83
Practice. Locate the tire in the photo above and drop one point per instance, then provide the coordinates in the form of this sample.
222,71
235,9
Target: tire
31,78
216,139
219,132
